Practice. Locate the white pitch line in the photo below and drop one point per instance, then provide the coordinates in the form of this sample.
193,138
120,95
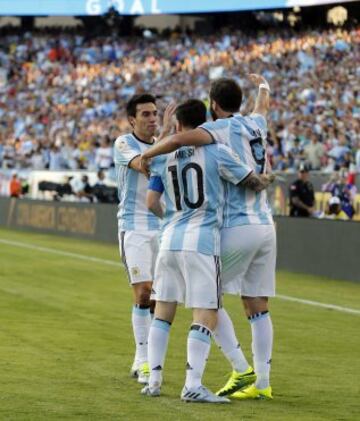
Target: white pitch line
113,263
60,252
318,304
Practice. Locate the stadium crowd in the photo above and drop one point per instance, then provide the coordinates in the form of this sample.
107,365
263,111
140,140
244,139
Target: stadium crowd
62,96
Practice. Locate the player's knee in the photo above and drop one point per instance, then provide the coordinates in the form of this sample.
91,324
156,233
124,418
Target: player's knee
253,305
205,317
143,296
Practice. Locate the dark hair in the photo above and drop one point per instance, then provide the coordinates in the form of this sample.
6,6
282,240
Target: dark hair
227,94
138,99
191,113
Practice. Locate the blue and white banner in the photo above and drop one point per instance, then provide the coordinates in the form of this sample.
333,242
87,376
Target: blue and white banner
142,7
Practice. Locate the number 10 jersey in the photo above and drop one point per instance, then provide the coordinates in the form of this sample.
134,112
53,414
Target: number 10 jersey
193,181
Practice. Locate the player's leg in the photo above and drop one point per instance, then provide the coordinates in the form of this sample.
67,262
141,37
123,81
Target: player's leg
225,337
258,314
141,320
226,340
259,284
203,295
167,293
137,255
198,345
262,338
236,253
158,344
154,244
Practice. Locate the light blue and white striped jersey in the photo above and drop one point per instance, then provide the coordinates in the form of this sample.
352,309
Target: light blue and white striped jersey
133,215
193,180
247,137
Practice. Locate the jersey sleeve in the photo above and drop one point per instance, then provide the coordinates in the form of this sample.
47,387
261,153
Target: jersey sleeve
261,122
218,130
157,165
231,167
125,150
156,184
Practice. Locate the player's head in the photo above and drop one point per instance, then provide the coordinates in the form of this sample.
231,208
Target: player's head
334,205
304,171
225,98
142,115
190,114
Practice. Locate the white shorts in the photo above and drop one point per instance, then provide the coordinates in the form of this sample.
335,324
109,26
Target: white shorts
248,255
188,277
138,251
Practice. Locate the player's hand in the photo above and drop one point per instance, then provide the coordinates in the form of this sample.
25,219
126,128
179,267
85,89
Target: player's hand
271,177
257,79
168,121
145,165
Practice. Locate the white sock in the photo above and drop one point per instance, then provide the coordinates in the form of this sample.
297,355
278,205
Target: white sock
157,347
262,340
141,324
225,338
198,348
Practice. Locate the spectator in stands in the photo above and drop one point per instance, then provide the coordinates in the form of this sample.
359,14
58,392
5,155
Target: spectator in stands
357,158
15,186
334,210
81,188
55,159
340,153
24,186
103,193
295,155
104,155
86,192
302,198
9,154
342,185
314,153
37,159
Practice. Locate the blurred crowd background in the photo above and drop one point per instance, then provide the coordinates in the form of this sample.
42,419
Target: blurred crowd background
64,88
63,94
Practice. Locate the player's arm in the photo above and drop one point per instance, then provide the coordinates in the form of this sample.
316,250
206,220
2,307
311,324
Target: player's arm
258,182
196,137
233,169
153,203
153,196
262,102
135,164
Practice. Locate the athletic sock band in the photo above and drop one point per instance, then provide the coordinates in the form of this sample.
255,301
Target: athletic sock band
258,316
200,333
141,311
161,324
142,307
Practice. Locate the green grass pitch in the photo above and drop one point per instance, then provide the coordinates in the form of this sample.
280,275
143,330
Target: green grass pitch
66,344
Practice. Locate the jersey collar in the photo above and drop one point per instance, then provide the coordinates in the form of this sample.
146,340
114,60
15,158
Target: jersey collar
143,141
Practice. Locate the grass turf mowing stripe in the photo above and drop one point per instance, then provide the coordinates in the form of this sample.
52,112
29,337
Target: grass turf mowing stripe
113,263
